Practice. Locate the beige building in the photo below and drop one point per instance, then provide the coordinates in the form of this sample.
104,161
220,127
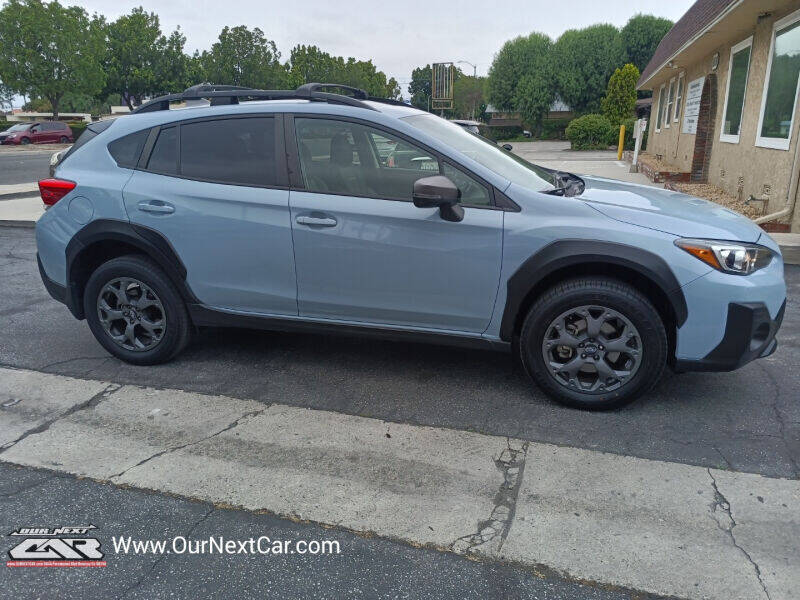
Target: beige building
725,111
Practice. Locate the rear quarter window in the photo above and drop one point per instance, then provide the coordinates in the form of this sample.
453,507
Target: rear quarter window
88,135
127,149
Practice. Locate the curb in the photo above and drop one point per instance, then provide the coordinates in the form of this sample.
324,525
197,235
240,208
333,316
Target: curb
18,224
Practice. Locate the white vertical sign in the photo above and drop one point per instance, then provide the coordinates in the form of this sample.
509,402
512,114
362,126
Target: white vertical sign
693,92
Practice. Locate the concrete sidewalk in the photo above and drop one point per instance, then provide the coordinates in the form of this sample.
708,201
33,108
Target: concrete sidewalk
659,527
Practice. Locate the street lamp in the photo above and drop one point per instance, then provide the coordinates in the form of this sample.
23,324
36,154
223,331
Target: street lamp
466,62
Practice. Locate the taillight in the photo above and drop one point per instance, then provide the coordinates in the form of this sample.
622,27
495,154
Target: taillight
53,190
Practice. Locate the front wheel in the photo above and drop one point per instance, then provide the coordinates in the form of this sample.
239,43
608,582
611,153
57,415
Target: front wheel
25,141
594,343
135,311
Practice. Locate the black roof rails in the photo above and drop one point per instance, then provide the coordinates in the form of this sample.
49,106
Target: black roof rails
230,94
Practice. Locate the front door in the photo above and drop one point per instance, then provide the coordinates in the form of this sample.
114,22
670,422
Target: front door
221,209
365,253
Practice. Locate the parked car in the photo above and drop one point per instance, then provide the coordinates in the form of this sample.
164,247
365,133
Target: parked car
471,126
55,158
40,132
283,214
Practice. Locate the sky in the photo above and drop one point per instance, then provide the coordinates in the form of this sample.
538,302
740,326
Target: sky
398,35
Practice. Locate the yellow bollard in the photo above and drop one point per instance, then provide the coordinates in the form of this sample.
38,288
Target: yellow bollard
621,141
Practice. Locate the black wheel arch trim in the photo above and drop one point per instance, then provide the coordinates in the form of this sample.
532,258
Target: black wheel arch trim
146,240
569,252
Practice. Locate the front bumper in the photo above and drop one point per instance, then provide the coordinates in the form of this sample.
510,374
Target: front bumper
749,334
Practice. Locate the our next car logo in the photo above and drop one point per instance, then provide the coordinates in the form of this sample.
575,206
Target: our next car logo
56,547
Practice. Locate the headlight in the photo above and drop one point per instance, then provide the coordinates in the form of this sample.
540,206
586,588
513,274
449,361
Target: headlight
729,257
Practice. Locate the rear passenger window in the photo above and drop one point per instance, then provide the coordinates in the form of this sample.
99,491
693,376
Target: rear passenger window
239,151
164,157
126,150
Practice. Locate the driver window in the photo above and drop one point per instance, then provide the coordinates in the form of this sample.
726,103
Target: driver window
350,159
472,192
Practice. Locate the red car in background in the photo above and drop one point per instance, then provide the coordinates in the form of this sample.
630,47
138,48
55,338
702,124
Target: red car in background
41,132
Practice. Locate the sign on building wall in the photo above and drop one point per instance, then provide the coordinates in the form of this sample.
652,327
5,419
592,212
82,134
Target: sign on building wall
692,111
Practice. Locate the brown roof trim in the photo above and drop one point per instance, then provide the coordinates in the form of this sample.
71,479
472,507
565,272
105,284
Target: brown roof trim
700,17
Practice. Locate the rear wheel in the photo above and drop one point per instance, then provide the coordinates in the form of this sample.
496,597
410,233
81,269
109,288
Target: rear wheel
64,139
135,312
593,343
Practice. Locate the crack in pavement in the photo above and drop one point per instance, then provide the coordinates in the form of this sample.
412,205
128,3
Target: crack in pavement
511,463
781,423
235,423
721,502
158,561
90,403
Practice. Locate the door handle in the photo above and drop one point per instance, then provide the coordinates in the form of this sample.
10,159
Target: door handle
316,221
153,207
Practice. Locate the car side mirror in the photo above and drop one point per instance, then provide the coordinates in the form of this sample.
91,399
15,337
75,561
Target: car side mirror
508,147
439,191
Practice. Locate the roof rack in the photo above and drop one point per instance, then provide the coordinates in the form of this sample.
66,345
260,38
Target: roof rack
230,94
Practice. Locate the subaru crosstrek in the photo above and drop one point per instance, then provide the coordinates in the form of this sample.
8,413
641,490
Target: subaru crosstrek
335,211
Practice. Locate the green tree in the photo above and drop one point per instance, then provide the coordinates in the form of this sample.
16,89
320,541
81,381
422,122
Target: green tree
583,61
523,59
468,97
6,95
620,101
49,50
310,64
640,38
244,57
420,87
141,61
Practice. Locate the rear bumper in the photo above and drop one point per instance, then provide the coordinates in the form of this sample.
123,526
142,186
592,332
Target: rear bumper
749,334
56,290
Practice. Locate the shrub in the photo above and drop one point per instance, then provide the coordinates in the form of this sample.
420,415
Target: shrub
78,127
590,132
500,133
620,100
554,129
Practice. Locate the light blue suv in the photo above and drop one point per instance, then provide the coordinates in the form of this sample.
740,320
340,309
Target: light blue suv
339,212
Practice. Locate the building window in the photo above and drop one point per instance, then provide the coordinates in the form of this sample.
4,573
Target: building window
678,98
660,108
670,103
738,68
780,93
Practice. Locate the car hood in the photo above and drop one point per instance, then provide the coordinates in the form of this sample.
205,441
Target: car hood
667,211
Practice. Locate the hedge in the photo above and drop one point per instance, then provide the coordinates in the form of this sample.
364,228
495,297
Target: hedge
78,127
591,132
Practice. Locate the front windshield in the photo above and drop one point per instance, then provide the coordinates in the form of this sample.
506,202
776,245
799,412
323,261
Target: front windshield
485,152
19,127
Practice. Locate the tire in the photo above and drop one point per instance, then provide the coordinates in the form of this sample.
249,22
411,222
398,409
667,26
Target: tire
25,141
63,140
606,379
161,325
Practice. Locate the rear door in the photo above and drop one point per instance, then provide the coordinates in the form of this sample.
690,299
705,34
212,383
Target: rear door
365,253
216,189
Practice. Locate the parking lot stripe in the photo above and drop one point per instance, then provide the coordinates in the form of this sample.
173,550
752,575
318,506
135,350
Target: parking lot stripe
659,527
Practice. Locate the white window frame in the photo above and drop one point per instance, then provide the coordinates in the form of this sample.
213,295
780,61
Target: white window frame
677,116
670,103
727,137
660,113
767,142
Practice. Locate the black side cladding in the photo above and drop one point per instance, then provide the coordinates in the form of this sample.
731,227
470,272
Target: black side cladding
572,252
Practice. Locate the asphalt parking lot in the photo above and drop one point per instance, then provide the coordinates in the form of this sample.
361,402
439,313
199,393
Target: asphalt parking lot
22,165
748,420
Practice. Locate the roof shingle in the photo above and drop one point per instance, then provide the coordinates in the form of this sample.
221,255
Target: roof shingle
695,20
